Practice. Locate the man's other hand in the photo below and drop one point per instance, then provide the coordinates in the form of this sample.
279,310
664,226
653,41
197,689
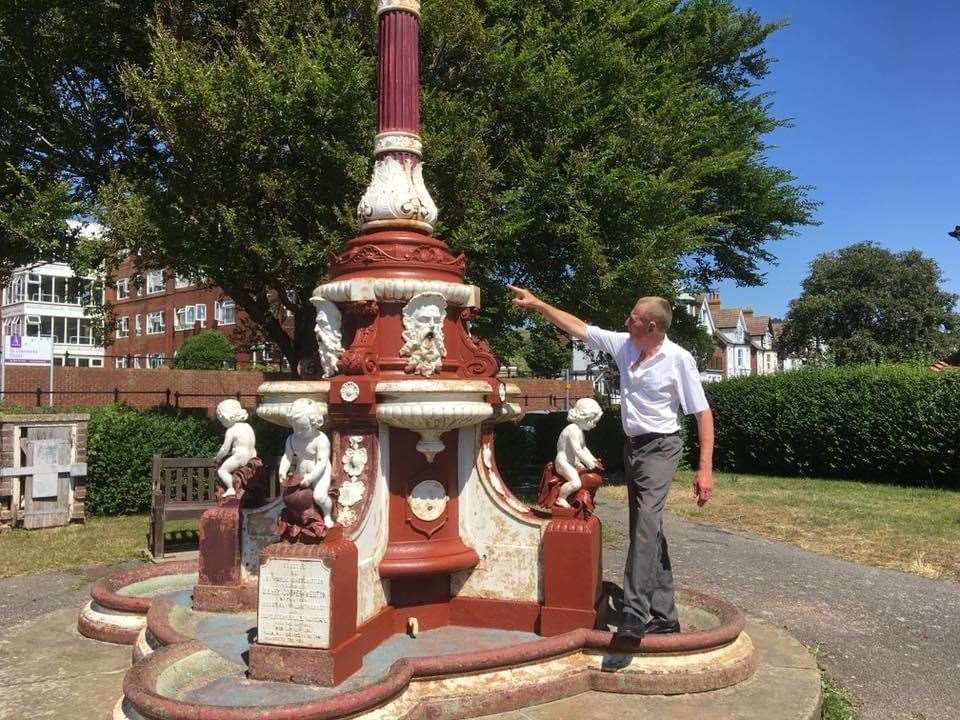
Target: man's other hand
524,298
703,486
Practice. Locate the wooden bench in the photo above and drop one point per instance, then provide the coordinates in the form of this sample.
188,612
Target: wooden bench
182,489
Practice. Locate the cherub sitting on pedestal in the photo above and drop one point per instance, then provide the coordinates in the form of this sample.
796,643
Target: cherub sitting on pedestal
239,445
307,451
572,451
570,481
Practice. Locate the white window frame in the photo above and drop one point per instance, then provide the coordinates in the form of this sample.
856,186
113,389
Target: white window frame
219,307
152,327
123,288
123,326
154,361
182,281
139,324
121,362
155,285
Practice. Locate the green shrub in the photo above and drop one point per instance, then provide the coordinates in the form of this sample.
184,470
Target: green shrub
887,423
120,446
207,351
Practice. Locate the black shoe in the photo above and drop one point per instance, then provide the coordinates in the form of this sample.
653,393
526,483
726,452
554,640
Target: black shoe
631,628
660,626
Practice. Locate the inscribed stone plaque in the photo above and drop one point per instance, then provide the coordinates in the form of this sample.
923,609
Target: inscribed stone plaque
294,603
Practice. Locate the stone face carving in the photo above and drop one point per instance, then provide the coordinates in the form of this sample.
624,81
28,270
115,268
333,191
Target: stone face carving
239,444
305,472
329,335
354,461
428,500
397,192
572,476
423,333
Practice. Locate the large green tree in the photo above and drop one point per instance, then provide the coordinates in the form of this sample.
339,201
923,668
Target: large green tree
866,304
591,150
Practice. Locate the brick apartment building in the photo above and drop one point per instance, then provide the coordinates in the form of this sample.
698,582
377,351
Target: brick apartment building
153,321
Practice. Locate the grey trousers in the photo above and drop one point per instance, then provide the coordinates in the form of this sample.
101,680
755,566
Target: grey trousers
648,578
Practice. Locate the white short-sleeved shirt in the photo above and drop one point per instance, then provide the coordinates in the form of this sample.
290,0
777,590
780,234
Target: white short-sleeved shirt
651,393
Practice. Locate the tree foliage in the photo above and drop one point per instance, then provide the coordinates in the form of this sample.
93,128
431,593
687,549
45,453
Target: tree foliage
592,150
866,304
210,350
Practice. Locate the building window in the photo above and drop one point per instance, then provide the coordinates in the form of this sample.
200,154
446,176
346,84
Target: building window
182,281
155,281
186,317
139,324
226,312
155,323
121,362
123,327
123,288
155,360
739,357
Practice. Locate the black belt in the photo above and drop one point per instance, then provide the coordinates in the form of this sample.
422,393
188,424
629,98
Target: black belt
638,440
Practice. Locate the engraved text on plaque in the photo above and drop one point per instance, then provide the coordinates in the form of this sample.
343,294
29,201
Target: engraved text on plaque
294,603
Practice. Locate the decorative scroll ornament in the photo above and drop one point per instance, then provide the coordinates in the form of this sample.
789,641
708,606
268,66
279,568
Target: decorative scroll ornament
397,193
354,461
410,6
329,335
397,142
423,333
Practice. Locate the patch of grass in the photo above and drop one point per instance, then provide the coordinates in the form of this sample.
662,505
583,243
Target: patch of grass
99,541
916,530
609,536
838,702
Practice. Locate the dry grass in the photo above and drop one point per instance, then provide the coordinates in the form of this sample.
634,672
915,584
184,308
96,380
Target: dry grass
916,530
101,540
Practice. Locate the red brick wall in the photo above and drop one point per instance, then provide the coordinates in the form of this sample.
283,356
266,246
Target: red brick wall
205,388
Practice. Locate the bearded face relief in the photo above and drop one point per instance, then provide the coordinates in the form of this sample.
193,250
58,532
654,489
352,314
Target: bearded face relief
329,335
423,333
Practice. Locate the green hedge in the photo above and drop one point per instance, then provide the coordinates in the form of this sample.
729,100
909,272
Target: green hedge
121,443
887,423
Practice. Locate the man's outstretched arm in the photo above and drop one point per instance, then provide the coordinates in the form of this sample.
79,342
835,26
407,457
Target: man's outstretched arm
703,480
570,324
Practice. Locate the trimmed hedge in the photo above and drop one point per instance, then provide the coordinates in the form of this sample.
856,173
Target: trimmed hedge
886,423
121,443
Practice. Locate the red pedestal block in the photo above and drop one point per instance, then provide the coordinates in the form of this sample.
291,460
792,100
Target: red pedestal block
305,607
572,575
220,588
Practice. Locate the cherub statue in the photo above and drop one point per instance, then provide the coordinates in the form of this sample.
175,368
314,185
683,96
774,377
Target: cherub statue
572,450
307,451
239,445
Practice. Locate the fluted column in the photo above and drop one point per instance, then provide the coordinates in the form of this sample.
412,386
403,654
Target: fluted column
397,196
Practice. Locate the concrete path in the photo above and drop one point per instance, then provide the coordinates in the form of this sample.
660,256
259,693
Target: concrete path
891,638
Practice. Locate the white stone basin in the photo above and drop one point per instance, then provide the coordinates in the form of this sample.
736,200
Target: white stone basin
278,395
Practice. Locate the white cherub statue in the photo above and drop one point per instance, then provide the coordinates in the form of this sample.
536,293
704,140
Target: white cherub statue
307,450
239,445
572,450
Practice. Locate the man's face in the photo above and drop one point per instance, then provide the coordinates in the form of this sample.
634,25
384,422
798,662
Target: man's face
640,326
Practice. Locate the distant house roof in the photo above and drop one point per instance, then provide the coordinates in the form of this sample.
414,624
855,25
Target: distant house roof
758,324
777,330
725,318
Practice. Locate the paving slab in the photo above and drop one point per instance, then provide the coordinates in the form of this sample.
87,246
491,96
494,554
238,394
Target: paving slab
49,670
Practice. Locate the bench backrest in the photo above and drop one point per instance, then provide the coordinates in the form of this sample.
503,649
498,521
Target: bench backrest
180,481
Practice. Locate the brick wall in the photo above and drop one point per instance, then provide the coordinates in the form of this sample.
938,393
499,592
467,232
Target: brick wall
205,388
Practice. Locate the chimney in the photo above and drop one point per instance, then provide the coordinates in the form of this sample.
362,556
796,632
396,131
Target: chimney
747,312
713,299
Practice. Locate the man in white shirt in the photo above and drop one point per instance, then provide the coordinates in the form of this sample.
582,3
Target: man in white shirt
657,378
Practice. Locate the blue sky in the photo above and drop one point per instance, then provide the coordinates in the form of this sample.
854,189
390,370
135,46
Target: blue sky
873,90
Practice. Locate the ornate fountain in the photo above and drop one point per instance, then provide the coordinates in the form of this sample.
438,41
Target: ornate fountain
395,523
